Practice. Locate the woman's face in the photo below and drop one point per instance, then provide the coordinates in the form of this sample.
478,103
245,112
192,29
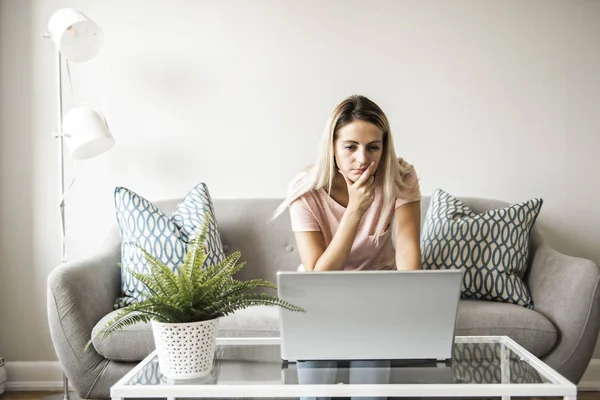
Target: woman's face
358,143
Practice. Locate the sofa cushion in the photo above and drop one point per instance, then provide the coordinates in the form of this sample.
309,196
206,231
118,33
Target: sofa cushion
475,318
135,342
259,321
492,248
527,327
130,343
166,238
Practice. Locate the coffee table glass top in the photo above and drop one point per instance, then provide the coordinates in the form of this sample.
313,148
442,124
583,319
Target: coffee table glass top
476,360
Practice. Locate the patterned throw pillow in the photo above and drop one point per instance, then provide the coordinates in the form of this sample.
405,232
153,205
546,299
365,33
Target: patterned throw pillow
166,238
491,248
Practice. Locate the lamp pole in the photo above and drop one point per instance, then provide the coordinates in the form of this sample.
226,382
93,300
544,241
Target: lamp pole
61,157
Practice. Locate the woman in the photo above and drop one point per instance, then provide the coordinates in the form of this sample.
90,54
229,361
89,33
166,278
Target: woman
342,207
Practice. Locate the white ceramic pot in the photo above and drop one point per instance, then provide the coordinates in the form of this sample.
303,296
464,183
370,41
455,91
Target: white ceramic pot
185,350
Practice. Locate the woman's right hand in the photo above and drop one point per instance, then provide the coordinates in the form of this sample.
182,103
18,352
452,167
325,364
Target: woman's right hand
362,192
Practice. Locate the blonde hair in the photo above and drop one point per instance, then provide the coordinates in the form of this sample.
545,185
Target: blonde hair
391,169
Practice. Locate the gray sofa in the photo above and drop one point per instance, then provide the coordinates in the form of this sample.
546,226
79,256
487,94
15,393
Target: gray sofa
561,330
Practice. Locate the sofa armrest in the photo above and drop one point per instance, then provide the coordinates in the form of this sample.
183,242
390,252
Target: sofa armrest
565,289
80,293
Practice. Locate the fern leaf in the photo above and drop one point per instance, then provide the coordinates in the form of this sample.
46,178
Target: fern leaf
210,272
149,282
219,284
241,287
142,312
122,322
200,253
195,255
126,321
223,308
160,272
173,309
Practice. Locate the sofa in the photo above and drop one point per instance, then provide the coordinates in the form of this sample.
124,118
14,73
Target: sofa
562,329
2,375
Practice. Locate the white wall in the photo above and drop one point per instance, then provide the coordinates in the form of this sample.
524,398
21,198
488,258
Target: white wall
486,98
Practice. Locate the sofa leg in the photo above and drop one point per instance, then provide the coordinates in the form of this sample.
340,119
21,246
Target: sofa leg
65,395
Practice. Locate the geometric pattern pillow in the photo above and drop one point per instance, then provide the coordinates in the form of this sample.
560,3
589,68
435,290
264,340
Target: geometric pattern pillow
165,237
491,248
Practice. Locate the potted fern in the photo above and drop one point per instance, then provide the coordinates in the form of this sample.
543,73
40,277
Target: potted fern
184,306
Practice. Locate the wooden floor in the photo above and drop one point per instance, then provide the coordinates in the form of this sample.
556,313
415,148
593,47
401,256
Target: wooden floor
41,395
25,395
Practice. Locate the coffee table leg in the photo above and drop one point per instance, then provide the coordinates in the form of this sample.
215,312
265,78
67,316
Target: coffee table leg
505,367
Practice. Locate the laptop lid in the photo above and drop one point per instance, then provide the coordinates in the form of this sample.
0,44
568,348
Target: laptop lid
369,315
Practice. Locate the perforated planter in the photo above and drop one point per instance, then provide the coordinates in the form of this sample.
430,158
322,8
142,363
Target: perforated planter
186,350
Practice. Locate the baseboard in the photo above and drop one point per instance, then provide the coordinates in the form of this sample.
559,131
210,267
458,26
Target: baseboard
34,376
590,382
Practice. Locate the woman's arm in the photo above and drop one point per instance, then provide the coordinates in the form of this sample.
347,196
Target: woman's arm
408,232
316,257
314,254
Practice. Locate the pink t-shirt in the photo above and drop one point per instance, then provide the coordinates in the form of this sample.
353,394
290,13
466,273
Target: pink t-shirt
317,211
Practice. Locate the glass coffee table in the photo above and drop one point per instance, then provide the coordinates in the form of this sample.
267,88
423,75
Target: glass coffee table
481,367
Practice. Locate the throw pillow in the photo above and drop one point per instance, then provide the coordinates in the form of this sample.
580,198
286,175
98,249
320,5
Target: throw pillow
491,248
166,238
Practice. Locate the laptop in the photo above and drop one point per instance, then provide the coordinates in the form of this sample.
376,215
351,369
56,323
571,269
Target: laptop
369,315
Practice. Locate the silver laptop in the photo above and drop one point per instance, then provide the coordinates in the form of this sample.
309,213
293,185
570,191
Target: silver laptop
369,315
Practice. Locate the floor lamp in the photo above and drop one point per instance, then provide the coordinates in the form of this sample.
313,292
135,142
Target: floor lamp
83,129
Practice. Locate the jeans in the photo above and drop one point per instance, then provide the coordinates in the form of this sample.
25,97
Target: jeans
360,372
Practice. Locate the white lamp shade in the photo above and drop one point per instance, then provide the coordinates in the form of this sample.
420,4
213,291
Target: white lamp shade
77,37
87,133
